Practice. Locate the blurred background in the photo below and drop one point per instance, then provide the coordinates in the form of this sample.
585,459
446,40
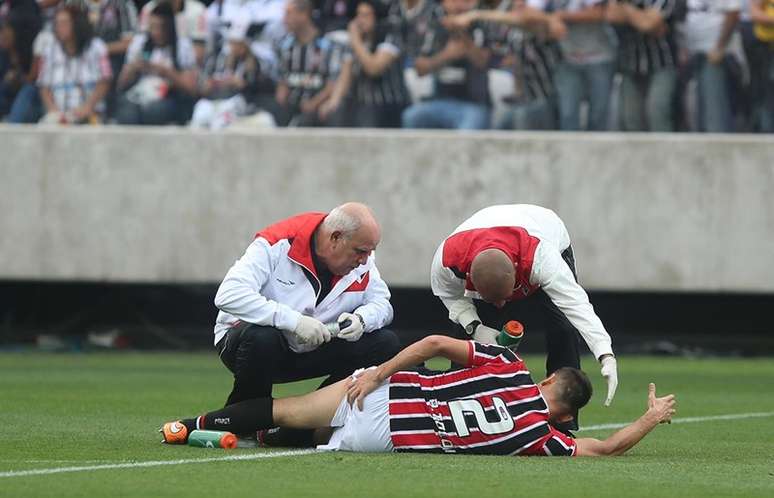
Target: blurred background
645,124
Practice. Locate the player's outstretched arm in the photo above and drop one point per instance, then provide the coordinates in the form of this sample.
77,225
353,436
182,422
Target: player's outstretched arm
430,347
660,410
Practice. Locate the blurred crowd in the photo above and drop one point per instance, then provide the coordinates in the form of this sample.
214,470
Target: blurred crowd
631,65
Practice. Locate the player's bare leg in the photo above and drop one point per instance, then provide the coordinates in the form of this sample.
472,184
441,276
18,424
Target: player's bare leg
310,411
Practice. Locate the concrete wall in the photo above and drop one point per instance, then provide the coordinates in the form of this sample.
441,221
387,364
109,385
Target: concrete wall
646,212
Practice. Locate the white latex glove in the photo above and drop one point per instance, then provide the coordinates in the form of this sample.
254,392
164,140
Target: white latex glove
485,335
355,329
462,311
610,373
311,331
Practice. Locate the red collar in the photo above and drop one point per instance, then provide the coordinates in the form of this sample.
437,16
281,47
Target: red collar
298,230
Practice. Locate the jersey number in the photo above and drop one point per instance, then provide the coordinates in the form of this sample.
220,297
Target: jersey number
460,407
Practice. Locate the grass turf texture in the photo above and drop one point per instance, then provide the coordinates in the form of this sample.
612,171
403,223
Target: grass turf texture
62,410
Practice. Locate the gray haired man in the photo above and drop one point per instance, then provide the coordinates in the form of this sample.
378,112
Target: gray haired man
296,276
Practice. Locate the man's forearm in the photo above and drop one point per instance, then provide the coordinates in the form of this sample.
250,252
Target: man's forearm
643,20
461,310
512,18
623,440
730,21
48,99
421,351
119,46
99,93
594,14
427,65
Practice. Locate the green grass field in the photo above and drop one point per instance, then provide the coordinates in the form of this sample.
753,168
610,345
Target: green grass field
88,410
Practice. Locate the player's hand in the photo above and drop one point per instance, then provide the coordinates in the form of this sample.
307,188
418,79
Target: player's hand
661,409
355,328
610,373
485,335
361,386
311,331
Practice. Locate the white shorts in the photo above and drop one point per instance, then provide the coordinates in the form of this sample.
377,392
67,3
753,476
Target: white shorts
362,431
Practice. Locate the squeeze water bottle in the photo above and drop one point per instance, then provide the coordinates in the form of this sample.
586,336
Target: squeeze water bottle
212,439
511,334
336,327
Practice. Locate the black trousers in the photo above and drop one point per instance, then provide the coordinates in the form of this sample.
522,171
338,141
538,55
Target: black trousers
562,338
259,357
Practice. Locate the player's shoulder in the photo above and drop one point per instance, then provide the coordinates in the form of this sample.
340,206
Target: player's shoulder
487,353
289,228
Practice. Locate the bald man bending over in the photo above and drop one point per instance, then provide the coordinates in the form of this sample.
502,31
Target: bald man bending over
296,276
506,257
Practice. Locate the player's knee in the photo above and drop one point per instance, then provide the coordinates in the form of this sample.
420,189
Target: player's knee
261,344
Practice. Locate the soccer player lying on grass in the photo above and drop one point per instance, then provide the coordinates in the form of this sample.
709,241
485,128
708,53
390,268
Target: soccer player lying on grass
491,407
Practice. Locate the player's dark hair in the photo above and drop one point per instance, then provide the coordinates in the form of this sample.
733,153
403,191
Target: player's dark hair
573,388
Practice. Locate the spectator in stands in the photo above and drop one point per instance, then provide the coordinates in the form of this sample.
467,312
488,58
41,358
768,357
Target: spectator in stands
19,98
373,76
533,42
308,67
232,80
266,26
716,59
27,12
159,76
28,9
500,35
458,60
334,15
411,19
115,23
75,73
586,71
762,14
190,22
48,10
647,62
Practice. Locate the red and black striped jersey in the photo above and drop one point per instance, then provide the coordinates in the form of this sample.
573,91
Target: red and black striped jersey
493,407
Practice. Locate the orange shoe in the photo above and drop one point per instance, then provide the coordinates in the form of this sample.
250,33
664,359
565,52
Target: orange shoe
174,433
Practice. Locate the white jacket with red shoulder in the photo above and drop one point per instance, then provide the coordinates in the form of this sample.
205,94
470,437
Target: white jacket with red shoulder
534,238
269,286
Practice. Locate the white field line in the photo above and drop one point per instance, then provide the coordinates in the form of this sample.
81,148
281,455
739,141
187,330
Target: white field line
156,463
685,420
277,454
